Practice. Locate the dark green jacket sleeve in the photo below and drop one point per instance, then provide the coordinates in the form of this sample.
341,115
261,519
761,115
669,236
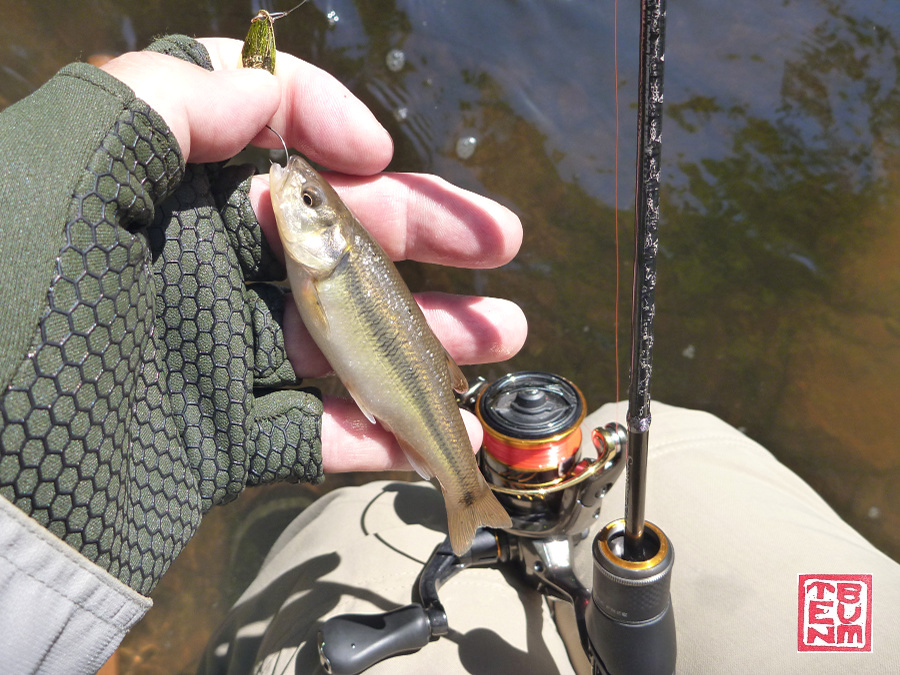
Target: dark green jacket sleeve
133,349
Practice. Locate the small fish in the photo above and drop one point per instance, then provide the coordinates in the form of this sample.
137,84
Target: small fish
362,315
259,45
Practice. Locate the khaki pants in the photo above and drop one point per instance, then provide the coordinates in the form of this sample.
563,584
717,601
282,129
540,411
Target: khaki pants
743,526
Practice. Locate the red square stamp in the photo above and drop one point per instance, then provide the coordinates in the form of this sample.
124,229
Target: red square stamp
834,613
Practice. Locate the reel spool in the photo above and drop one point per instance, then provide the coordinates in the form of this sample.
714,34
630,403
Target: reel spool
531,455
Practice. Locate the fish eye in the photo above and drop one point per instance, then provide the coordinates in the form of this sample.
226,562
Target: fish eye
312,196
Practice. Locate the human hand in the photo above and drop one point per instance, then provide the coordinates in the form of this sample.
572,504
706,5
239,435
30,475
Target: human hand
215,114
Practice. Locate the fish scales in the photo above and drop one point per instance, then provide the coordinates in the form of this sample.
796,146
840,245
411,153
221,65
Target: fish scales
373,333
383,322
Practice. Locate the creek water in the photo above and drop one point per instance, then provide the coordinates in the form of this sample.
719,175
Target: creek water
778,305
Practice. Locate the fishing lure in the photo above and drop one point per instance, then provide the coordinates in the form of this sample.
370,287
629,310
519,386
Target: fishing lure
259,45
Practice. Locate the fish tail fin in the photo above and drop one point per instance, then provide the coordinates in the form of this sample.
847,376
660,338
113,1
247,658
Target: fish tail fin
467,513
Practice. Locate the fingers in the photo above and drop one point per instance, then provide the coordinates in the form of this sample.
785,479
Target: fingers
417,217
425,218
472,329
351,443
316,114
208,113
214,115
475,329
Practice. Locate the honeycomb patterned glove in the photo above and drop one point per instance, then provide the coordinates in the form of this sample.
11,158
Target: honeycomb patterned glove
139,352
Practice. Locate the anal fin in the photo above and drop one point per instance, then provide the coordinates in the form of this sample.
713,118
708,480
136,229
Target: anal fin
418,463
361,406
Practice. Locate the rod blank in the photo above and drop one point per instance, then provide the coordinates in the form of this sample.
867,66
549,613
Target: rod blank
646,245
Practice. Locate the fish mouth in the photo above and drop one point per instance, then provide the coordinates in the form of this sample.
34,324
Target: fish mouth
278,176
292,177
302,169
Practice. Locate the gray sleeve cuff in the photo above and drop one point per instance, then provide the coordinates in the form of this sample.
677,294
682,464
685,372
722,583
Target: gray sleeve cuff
61,613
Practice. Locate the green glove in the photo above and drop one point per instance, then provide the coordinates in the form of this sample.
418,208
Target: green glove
134,352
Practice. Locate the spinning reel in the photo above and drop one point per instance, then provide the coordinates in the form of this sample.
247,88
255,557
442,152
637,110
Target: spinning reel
532,459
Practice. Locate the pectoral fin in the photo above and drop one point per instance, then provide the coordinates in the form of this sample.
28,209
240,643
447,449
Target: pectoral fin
314,310
458,381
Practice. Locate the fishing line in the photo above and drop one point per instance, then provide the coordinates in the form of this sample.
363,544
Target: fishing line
286,153
281,15
616,195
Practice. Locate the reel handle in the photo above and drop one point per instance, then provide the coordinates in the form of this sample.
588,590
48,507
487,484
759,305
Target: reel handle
351,643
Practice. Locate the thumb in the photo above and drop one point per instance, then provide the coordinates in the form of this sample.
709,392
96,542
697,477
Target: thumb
213,115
